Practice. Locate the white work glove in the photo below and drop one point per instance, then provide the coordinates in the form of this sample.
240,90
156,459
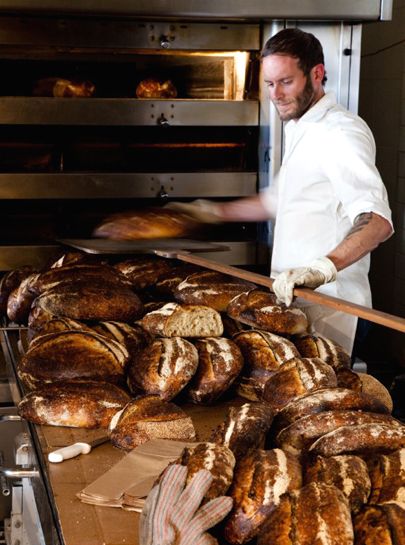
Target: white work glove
201,210
171,514
320,271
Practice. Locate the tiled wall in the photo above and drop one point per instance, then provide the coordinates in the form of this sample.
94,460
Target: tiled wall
382,105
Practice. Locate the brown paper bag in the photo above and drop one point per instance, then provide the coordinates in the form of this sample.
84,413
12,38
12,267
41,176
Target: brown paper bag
129,481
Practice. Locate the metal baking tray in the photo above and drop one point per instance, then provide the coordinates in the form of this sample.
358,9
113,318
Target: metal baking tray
150,246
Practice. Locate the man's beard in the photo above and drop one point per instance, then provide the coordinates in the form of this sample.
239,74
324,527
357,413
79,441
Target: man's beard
303,102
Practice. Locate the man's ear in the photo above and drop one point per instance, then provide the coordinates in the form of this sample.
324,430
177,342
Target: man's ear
318,73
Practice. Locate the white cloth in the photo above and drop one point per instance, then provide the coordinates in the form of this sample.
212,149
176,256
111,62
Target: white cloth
328,177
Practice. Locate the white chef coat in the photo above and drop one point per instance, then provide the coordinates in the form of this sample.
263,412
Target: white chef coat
327,178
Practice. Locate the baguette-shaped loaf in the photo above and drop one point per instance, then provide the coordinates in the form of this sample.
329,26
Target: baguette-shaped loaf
78,405
163,368
144,271
217,459
296,378
220,362
317,346
300,435
174,320
317,514
380,525
360,439
244,428
72,356
261,310
148,418
261,478
327,399
210,288
348,473
387,474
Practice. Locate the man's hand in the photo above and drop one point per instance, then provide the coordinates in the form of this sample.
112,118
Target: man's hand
321,271
202,210
172,514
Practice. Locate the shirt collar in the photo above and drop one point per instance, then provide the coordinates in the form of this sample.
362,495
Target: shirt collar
317,111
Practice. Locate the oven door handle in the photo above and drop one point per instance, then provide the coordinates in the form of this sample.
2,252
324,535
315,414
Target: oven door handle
19,472
10,418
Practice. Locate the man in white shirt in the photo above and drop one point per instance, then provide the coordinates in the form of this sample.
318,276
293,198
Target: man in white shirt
329,201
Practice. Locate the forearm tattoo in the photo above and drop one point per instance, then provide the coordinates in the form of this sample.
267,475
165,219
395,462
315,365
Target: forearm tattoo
359,223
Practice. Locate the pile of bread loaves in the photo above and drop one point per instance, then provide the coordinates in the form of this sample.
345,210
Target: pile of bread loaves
311,457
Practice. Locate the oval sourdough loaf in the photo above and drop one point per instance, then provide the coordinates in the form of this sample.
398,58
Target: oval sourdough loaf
72,356
167,284
174,320
56,325
316,514
361,438
348,473
210,288
361,382
217,459
261,478
220,362
317,346
387,474
20,300
261,310
142,271
300,435
380,525
327,399
10,281
244,428
163,368
148,418
296,378
133,337
78,405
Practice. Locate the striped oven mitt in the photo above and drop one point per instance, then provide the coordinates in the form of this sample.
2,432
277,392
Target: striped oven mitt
172,514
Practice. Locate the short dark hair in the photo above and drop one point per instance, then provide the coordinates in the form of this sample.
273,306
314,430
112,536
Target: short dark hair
296,43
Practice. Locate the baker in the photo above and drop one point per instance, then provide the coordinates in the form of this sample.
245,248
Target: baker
328,200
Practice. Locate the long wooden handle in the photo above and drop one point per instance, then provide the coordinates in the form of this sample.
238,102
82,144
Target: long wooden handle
376,316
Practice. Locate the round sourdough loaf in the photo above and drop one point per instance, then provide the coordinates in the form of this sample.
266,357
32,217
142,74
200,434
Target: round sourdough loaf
148,223
316,514
327,399
72,356
133,337
220,362
380,525
174,320
295,378
387,474
147,418
217,459
300,435
163,368
261,478
210,288
316,346
244,428
348,473
360,439
78,405
144,271
261,310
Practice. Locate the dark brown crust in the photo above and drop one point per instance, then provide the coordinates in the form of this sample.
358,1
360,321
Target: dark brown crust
220,362
83,405
133,337
325,400
300,435
210,288
296,378
361,438
148,418
346,378
380,525
99,302
9,282
20,300
163,368
316,346
387,476
348,473
167,284
72,356
260,480
253,308
244,428
143,272
56,325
